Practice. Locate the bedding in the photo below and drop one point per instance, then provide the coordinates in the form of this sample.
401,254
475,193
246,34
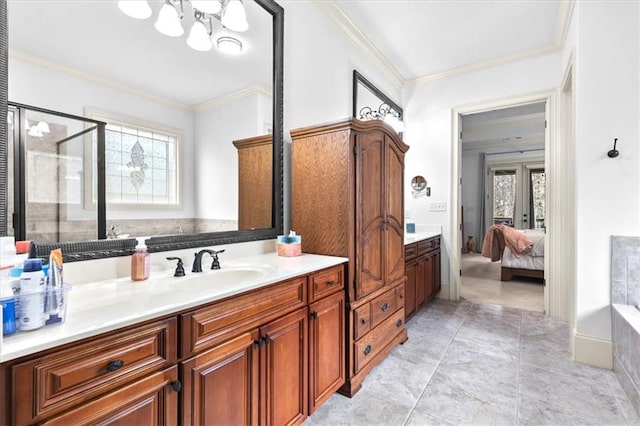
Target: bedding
521,251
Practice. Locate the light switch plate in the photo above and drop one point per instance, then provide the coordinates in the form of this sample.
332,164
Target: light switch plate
438,207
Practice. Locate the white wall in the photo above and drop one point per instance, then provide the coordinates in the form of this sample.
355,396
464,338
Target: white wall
319,63
607,190
428,114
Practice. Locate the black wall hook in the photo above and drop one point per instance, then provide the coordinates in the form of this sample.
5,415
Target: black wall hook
614,152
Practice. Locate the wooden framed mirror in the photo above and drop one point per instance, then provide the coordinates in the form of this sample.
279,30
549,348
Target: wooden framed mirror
101,50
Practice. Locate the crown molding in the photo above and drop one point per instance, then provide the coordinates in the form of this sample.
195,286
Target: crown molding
478,66
361,41
256,89
72,72
564,21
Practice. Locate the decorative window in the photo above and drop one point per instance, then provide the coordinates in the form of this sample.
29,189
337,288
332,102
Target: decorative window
141,163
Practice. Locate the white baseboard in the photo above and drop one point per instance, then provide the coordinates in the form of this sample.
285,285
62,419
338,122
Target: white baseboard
592,351
445,291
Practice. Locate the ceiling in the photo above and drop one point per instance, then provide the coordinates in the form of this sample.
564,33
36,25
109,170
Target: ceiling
422,39
96,40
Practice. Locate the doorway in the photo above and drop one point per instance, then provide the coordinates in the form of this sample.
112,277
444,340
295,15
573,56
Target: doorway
503,182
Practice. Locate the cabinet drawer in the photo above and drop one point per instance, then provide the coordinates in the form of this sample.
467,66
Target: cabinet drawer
410,251
425,246
55,382
361,321
383,306
226,319
377,339
325,282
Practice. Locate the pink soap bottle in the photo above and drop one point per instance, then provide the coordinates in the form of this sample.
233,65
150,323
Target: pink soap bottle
140,262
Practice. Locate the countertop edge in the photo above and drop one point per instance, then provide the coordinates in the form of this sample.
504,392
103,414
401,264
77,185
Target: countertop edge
49,337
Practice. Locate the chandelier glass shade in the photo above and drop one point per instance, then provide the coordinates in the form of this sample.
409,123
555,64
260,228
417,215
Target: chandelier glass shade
230,13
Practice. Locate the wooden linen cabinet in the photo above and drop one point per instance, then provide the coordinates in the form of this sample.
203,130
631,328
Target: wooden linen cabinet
347,200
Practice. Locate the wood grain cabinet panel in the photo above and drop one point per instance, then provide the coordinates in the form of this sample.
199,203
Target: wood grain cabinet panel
423,274
220,386
222,320
150,401
374,342
55,382
326,349
325,283
347,199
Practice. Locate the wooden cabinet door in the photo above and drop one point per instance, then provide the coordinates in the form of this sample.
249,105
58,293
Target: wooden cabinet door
150,401
437,283
220,386
429,276
370,213
394,213
284,362
421,282
410,289
326,348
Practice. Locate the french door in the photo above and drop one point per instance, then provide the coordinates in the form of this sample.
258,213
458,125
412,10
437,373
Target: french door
515,195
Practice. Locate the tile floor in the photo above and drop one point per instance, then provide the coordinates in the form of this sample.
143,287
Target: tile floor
481,364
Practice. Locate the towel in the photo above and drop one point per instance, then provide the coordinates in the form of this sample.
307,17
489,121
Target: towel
518,242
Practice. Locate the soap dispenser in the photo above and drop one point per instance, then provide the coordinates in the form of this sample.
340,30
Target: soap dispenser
140,262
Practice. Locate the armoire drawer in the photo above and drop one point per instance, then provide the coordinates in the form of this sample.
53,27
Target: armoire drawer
377,339
56,381
361,321
384,305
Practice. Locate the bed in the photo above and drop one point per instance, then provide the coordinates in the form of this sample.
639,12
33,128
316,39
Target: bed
528,264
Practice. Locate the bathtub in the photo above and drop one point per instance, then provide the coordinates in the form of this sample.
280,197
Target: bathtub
626,350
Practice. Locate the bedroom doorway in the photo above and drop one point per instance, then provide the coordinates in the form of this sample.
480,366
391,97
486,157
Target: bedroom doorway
503,182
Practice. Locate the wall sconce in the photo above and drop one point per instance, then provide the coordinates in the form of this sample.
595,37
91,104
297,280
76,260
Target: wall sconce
614,152
419,187
385,113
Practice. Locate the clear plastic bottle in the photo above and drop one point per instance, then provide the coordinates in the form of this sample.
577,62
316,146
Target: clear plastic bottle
32,295
140,262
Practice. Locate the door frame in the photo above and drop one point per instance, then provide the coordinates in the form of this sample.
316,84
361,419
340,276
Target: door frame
455,271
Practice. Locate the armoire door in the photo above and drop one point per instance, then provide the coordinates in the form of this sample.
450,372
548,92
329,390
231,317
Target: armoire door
370,212
394,212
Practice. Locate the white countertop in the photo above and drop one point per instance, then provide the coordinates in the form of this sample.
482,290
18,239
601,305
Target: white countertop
419,236
99,307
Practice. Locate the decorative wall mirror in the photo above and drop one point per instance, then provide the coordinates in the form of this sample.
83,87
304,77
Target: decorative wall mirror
369,103
175,116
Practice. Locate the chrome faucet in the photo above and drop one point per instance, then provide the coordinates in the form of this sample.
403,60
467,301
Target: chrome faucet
197,261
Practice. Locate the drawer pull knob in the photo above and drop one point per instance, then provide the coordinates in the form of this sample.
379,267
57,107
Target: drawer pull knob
401,295
399,323
115,365
176,385
384,306
364,320
367,350
330,283
313,315
260,342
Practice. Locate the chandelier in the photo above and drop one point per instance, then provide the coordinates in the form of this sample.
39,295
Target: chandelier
230,13
385,113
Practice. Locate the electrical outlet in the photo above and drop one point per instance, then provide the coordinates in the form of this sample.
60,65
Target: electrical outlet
438,207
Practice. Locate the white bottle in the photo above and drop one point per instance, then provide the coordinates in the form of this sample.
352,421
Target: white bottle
32,295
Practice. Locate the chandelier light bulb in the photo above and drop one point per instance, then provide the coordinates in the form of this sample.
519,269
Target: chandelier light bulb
207,6
199,37
43,126
138,9
168,22
234,16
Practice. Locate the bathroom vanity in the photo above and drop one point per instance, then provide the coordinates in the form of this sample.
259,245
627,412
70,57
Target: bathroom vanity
422,257
258,342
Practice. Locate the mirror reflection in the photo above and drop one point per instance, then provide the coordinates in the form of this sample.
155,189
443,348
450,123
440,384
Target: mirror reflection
188,118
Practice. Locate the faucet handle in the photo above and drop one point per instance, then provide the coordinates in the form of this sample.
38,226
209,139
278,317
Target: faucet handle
179,267
216,262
